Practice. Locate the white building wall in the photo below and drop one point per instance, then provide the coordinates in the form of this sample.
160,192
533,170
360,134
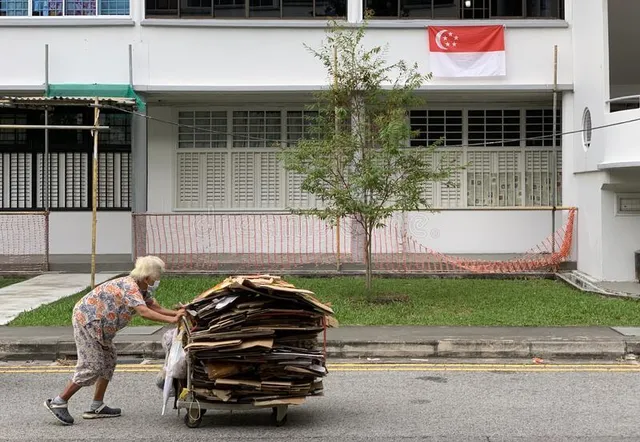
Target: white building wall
70,233
481,232
162,141
589,79
621,238
622,143
262,57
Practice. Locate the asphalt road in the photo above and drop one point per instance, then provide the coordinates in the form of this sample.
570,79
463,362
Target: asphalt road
456,402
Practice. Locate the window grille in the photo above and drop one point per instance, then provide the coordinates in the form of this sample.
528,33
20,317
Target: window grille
22,163
238,168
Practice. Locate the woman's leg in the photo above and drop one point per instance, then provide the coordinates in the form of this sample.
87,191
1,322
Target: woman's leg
98,408
69,391
85,373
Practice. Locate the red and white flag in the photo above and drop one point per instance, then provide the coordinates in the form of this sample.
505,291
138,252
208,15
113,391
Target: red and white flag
467,51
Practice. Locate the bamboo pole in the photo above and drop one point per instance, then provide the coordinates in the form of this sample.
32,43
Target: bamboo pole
337,126
554,180
46,177
95,133
46,126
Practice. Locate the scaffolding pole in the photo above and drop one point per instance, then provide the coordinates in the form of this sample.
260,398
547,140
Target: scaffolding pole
46,176
554,180
94,223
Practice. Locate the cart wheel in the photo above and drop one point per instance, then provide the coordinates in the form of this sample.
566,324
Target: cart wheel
279,415
191,421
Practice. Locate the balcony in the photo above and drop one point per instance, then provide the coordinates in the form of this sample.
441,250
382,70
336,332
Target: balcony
622,144
622,110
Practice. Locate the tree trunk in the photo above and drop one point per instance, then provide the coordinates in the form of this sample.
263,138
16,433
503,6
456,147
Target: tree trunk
367,260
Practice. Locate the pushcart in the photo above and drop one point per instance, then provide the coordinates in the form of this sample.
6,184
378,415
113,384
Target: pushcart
196,408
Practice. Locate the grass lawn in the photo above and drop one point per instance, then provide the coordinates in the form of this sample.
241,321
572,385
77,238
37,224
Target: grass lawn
8,281
468,302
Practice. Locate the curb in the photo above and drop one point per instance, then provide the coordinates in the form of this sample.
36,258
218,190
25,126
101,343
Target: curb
443,348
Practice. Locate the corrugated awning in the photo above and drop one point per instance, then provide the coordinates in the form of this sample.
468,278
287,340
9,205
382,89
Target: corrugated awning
116,95
65,101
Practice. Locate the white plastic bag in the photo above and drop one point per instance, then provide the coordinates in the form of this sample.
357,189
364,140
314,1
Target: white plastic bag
175,366
176,361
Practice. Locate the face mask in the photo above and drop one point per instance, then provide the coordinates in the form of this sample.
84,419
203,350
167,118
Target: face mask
155,286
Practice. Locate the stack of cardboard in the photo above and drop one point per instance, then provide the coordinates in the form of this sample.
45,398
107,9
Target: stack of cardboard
254,339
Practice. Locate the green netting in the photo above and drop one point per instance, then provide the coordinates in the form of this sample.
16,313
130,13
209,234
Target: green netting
96,90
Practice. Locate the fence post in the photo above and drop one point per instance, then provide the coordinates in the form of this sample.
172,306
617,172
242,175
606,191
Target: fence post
46,241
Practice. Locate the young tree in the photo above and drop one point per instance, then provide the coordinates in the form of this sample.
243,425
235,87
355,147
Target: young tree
356,156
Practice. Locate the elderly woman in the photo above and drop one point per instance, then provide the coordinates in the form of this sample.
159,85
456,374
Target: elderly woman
96,319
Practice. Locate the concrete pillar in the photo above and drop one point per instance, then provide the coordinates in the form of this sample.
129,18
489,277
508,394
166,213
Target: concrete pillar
354,11
139,170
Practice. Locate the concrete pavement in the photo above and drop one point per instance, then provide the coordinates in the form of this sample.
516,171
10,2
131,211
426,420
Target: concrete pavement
43,289
604,343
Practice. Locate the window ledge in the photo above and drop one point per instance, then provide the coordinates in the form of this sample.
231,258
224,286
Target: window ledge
64,21
235,23
322,23
508,23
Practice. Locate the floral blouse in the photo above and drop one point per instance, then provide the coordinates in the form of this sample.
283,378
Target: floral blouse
111,305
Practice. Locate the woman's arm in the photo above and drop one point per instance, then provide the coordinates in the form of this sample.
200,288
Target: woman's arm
153,305
148,313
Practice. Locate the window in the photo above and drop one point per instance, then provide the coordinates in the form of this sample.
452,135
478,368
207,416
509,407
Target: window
465,9
539,127
11,8
246,8
443,127
60,8
504,167
494,127
628,204
587,129
227,159
22,162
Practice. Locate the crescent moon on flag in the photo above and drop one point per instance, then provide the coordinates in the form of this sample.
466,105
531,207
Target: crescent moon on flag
439,40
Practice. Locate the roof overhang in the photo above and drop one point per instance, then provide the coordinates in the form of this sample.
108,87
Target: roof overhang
44,102
619,165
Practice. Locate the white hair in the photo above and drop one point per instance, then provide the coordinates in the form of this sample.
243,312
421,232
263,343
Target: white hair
148,267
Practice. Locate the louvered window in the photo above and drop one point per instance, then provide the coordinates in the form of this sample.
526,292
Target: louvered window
227,159
507,153
22,162
298,123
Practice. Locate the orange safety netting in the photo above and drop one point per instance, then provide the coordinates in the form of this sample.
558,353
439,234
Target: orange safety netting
200,242
24,238
548,255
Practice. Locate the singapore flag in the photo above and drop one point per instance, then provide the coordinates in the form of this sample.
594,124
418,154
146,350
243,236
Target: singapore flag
467,51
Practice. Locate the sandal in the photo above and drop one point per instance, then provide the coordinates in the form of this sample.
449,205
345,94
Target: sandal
60,411
102,411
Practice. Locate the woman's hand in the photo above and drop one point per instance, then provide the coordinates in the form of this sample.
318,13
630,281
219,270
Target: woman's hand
179,314
148,313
